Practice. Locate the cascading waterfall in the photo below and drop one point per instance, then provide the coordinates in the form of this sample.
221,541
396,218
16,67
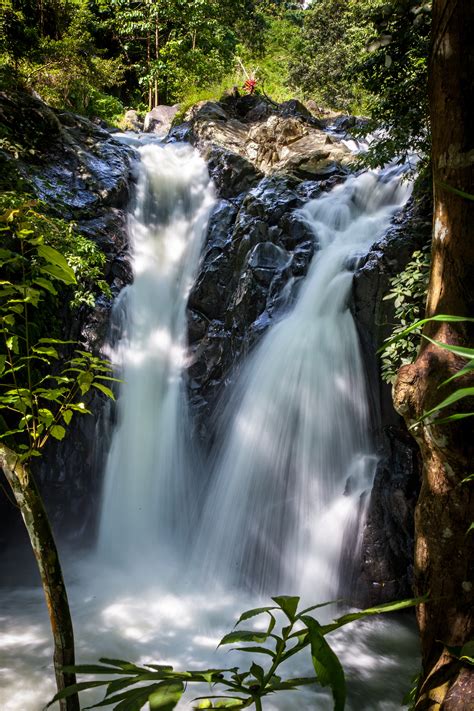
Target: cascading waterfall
151,468
296,453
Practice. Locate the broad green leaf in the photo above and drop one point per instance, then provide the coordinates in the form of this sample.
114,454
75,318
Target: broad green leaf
58,432
458,350
130,700
257,672
388,607
74,689
12,344
445,318
467,651
46,351
244,636
326,664
315,607
52,256
104,389
3,360
58,273
45,416
93,669
288,604
253,613
255,650
166,698
450,400
67,416
45,284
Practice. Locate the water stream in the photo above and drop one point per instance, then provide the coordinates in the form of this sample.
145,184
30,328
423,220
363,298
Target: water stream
293,456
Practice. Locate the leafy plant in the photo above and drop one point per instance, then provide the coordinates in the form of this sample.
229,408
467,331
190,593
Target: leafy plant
39,397
82,255
133,686
461,351
408,292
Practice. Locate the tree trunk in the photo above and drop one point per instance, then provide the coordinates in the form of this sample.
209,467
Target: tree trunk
36,521
445,509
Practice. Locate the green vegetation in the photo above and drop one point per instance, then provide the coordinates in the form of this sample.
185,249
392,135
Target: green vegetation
161,687
408,292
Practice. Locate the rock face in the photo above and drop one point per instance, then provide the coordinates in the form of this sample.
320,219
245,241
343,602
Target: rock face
273,139
132,121
82,174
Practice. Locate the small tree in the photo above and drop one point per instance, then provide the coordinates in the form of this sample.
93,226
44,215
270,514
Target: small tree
38,399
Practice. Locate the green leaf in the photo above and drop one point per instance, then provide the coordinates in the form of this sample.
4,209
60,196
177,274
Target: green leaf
104,389
3,360
166,698
458,350
58,273
253,613
74,689
450,400
467,651
326,664
12,344
445,318
55,258
257,672
388,607
67,416
243,636
456,191
58,432
316,607
288,604
45,284
255,650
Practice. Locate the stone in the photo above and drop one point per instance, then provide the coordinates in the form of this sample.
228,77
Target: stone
159,119
132,121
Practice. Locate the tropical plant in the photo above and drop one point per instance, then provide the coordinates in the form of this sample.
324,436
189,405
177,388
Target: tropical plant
408,293
40,394
134,686
460,351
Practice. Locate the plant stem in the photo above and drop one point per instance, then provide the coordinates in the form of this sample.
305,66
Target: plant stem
258,703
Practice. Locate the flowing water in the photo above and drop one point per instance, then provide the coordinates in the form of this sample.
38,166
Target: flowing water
292,460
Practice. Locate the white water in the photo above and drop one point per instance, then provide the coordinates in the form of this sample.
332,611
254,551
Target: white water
152,469
294,432
296,455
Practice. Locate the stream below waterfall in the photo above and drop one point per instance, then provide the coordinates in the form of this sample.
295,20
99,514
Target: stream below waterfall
185,544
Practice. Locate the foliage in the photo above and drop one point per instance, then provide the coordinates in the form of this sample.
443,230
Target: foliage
333,41
460,351
39,397
408,292
134,686
394,72
82,255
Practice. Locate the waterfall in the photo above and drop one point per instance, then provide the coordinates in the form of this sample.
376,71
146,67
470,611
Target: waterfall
295,454
151,471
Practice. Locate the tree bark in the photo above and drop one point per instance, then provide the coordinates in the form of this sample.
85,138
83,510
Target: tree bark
445,509
37,524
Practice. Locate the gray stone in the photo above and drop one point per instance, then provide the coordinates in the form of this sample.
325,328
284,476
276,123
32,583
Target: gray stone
159,119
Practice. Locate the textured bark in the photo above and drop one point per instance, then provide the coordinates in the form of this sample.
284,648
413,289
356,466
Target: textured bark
36,521
445,509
